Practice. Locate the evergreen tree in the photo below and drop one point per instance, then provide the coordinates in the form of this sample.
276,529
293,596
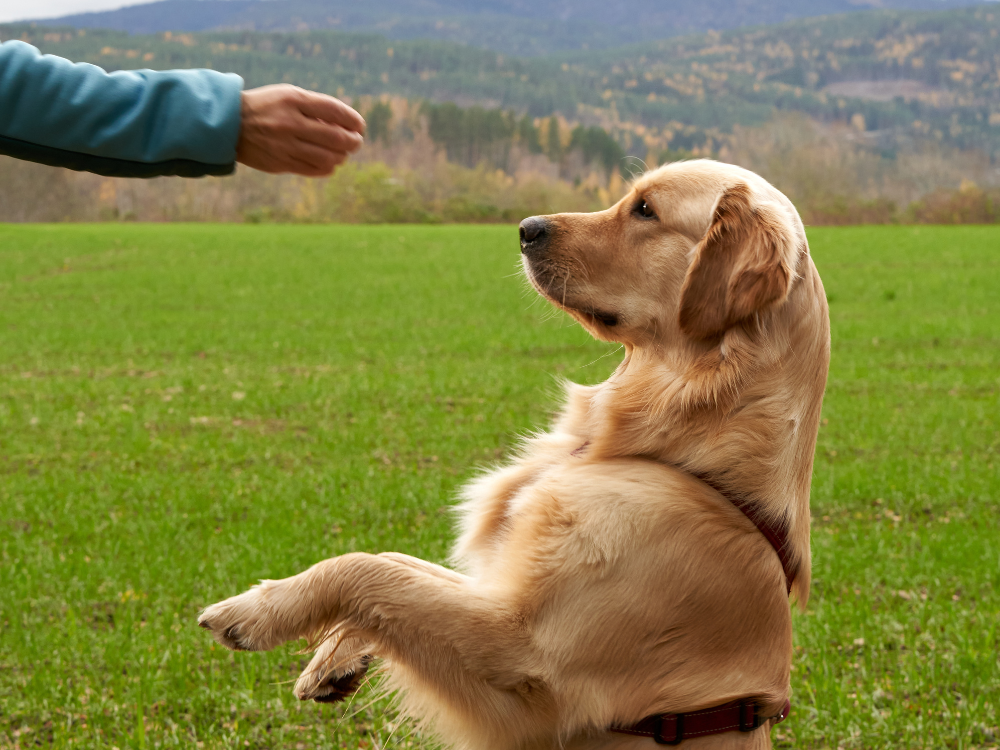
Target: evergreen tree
379,120
597,146
527,134
554,145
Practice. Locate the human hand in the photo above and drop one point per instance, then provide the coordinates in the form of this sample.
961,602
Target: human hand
287,129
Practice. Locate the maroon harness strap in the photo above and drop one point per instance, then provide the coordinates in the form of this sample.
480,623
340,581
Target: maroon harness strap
777,535
671,729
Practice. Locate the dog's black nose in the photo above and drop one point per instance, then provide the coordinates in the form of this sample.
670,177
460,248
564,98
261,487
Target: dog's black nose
534,234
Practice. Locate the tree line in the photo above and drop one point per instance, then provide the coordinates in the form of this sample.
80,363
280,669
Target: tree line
475,135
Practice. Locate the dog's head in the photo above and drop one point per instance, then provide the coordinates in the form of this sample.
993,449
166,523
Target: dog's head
694,249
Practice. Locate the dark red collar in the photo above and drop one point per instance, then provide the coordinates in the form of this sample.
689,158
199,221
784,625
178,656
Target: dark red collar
671,729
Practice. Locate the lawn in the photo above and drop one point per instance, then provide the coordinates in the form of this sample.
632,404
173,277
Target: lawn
187,409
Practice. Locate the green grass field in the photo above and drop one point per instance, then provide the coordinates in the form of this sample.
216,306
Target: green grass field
187,409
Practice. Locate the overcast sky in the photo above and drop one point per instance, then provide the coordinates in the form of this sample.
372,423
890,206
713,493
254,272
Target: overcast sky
16,10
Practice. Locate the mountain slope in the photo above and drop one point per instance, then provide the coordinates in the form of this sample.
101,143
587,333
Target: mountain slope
891,79
510,26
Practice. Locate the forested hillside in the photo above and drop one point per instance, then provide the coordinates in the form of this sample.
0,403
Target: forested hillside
515,27
894,77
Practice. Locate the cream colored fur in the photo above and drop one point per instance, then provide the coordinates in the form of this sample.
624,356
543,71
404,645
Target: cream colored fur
603,578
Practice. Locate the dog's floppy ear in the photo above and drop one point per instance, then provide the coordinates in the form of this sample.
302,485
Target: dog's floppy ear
743,265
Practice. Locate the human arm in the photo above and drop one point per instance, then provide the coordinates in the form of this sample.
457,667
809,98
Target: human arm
148,123
124,124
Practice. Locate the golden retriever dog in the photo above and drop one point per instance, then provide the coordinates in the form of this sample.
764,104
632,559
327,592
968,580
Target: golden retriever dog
608,575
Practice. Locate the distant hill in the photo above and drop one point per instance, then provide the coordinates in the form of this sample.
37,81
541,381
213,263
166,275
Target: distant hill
518,27
894,77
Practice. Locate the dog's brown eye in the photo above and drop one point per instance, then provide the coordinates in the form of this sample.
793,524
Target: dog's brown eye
645,210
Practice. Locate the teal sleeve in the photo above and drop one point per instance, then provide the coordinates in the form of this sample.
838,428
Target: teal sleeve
140,123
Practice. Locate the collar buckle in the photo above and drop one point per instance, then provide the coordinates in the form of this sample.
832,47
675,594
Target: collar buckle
748,716
678,733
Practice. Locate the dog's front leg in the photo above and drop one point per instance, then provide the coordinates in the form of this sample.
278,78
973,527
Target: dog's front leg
341,662
338,669
412,611
438,570
442,635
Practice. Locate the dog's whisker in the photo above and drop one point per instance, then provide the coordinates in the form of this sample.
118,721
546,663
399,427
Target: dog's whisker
406,736
388,739
604,356
347,707
370,703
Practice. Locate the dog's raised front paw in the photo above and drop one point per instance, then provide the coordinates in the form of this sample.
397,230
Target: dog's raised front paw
246,622
329,679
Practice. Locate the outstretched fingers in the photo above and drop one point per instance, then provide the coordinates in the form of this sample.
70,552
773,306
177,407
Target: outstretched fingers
330,110
287,129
